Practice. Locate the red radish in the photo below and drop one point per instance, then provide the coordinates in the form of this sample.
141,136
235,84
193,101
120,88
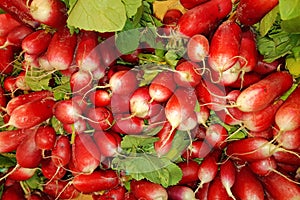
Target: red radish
13,192
211,95
3,99
147,190
162,86
227,176
21,81
7,24
216,136
287,117
163,145
45,137
207,14
50,12
81,102
78,126
60,189
117,193
267,134
20,11
198,149
247,185
251,12
61,152
86,153
229,76
67,111
202,115
246,80
202,193
262,119
28,155
286,168
279,187
264,67
6,60
251,149
132,57
126,124
187,74
262,93
25,98
189,170
123,82
188,4
100,118
171,17
263,167
119,104
141,104
100,98
9,84
108,145
51,171
248,51
208,170
10,139
287,157
198,48
36,42
108,52
61,49
216,190
189,123
229,117
21,173
179,192
27,116
44,63
16,36
225,46
288,139
96,181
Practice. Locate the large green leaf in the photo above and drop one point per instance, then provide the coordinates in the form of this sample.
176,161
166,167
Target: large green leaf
289,9
132,6
98,15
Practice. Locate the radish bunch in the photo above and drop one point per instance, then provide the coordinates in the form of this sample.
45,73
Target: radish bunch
80,117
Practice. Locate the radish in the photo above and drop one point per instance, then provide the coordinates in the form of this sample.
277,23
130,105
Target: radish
216,136
188,4
202,193
162,86
7,24
287,157
60,189
179,192
251,149
246,80
16,36
229,76
10,139
51,171
171,17
198,48
198,149
96,181
147,190
227,176
61,152
13,192
251,12
225,46
67,111
216,190
6,60
117,193
287,117
100,118
207,14
264,166
78,126
100,98
27,116
264,67
189,123
108,145
28,155
189,170
61,49
119,104
50,12
9,84
108,52
202,115
187,74
81,82
86,153
261,94
123,82
288,139
165,137
21,82
3,99
267,133
126,124
19,10
45,137
208,170
247,185
279,187
21,173
262,119
36,42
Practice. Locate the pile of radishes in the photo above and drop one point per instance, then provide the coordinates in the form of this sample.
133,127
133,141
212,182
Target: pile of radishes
241,115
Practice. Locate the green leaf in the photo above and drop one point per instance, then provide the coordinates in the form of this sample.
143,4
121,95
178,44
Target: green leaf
292,25
289,9
7,160
134,141
293,65
98,15
38,79
35,182
267,21
127,41
63,88
131,7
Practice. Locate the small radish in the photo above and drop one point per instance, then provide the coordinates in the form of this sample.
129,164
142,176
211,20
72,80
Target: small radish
96,181
60,189
108,145
50,12
9,84
264,166
78,126
61,152
227,77
36,42
100,97
228,35
287,157
247,185
6,60
216,190
21,173
27,115
188,4
116,193
187,74
51,171
202,193
165,137
208,170
21,83
246,80
10,139
288,139
7,23
198,149
216,136
287,117
81,82
262,93
61,49
189,170
45,137
171,18
264,67
17,35
100,118
202,115
67,111
162,86
123,82
179,192
267,134
147,190
13,192
198,48
227,176
126,124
